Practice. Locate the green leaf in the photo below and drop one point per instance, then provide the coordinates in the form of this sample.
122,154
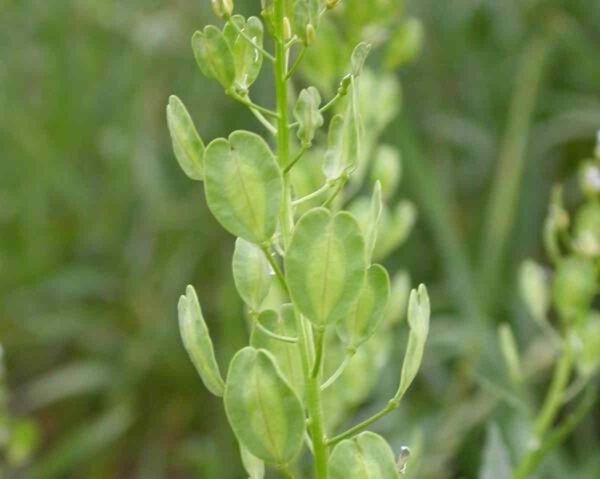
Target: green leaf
243,185
286,354
325,265
213,55
418,321
263,410
359,56
365,456
251,273
496,458
248,59
187,144
197,342
366,314
254,466
306,112
375,209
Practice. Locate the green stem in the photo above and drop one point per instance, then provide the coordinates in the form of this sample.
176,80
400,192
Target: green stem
530,462
276,268
295,160
554,398
312,195
500,215
297,62
338,372
360,426
271,334
319,342
253,106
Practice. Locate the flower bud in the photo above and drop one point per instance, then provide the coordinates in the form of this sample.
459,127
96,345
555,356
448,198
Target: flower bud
287,29
534,289
509,349
587,230
310,34
345,84
332,4
589,179
222,8
574,287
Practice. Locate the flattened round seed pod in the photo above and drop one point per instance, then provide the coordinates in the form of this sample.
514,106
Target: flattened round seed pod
366,456
248,59
286,354
263,410
325,265
251,273
197,342
213,55
187,144
243,185
368,310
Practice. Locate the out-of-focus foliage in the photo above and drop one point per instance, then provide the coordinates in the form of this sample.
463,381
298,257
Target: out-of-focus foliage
99,230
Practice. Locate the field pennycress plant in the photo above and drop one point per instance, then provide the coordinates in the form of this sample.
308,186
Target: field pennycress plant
318,304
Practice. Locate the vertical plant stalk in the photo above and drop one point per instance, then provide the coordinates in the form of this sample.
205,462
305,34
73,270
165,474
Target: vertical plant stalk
530,462
312,383
500,214
554,398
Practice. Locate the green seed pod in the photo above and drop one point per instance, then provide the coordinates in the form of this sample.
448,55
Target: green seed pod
287,354
306,112
306,19
589,179
358,58
418,320
387,169
263,410
366,314
533,285
325,265
222,8
214,56
372,226
364,456
187,144
587,341
248,59
343,141
243,185
586,230
574,287
406,43
252,464
197,342
509,349
251,273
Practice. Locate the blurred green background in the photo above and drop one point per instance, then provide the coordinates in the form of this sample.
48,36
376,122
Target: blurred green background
100,231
